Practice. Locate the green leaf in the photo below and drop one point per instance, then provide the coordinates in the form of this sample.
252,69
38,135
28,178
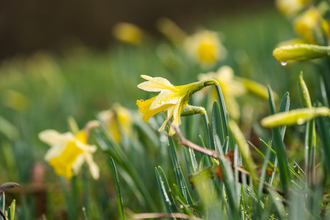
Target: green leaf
119,194
278,204
323,125
324,92
165,191
303,92
178,172
202,176
280,149
227,173
217,124
11,210
207,160
2,201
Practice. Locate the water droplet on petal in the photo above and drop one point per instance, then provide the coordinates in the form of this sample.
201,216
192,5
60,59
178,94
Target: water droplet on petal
283,63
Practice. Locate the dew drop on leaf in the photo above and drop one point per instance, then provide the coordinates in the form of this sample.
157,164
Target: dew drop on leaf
283,63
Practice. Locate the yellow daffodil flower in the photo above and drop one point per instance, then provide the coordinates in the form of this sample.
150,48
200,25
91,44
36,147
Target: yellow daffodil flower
68,152
172,99
128,33
310,23
204,47
231,88
118,120
291,7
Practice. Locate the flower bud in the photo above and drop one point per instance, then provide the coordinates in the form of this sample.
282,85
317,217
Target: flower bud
300,52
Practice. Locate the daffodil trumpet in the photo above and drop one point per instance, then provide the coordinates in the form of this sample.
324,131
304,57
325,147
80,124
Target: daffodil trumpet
171,98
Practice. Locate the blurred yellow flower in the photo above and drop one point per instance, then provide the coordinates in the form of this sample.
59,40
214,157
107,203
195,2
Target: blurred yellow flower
204,47
118,120
310,24
171,98
291,7
68,152
231,88
128,33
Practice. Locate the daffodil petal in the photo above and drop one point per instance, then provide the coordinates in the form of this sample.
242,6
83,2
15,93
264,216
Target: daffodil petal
52,137
176,116
144,108
78,163
93,168
55,151
157,82
85,147
164,98
169,116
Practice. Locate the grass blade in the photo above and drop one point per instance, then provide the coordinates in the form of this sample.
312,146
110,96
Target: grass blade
119,194
277,143
217,124
323,129
165,191
178,172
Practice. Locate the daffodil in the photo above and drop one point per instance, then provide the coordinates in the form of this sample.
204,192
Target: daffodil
311,24
118,120
68,152
231,88
204,47
291,7
128,33
172,99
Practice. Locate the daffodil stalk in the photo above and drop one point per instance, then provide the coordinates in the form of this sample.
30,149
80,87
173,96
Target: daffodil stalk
300,52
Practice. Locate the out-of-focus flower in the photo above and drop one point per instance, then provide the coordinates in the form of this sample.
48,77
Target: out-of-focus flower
300,52
204,47
310,23
128,33
68,152
171,98
297,116
118,120
171,30
291,7
231,88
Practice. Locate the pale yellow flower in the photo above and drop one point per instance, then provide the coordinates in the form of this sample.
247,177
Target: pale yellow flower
291,7
204,47
311,23
171,98
68,152
128,33
231,88
118,120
